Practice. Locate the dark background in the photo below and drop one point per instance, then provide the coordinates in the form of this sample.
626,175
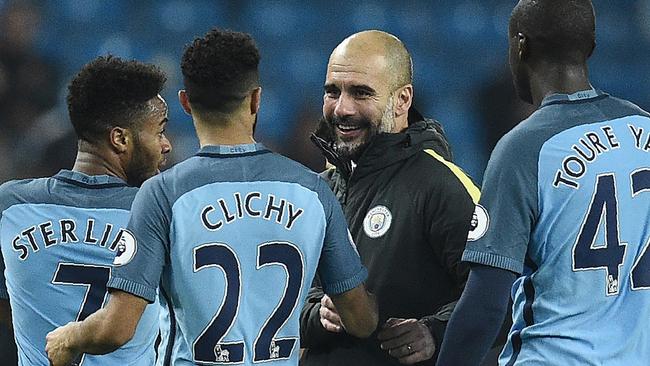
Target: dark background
459,50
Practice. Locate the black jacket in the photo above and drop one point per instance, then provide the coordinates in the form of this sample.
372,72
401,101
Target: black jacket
413,258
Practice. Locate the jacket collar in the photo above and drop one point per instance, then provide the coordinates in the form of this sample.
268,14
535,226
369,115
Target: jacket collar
386,148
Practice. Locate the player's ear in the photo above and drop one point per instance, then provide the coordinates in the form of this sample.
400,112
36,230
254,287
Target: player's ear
120,138
185,101
522,46
404,99
256,99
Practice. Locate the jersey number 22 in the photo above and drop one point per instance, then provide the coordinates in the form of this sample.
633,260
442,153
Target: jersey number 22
208,347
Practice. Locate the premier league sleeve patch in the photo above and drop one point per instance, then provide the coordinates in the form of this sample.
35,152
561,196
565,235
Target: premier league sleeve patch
479,224
126,249
377,221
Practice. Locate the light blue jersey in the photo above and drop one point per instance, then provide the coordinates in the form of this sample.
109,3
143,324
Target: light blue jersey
234,237
566,203
59,237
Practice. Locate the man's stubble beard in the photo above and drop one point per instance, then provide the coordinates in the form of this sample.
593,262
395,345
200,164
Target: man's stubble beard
141,167
352,150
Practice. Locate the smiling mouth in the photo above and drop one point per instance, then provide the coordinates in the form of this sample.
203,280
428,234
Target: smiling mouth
348,128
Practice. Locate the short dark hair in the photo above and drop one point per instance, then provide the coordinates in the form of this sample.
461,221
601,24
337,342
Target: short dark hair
220,69
558,30
110,92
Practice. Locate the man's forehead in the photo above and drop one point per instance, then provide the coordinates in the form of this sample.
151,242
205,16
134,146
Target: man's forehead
368,69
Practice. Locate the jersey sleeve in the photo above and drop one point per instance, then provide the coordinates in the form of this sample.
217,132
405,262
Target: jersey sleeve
502,222
340,267
144,245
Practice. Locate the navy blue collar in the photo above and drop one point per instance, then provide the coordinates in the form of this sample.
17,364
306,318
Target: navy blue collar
232,150
89,181
577,97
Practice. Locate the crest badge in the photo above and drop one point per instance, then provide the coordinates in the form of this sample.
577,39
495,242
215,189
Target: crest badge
479,223
377,221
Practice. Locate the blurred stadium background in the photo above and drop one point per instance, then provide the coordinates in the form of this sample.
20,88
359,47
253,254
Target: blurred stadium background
459,49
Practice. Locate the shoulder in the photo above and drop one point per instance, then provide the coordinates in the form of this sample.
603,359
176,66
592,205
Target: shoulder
290,171
157,184
627,107
175,181
440,174
23,190
21,184
521,146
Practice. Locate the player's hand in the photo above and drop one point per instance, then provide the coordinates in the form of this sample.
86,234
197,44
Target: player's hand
57,345
407,340
329,317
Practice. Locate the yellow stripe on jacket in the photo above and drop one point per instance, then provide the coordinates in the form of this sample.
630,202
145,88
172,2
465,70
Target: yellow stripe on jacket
471,188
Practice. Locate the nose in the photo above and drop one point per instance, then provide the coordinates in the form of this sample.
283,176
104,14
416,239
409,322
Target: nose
344,106
166,145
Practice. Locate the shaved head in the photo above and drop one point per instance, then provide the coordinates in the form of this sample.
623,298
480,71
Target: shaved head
368,90
383,48
562,31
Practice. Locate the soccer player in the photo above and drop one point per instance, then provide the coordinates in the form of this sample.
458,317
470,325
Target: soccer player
233,235
60,235
564,212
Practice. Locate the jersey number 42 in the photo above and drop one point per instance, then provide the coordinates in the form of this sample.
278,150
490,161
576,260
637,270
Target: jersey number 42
609,256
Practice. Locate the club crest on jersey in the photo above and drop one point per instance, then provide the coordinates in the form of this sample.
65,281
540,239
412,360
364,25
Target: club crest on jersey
479,224
126,249
377,221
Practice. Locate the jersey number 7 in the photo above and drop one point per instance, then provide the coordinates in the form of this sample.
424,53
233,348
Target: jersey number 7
94,278
609,256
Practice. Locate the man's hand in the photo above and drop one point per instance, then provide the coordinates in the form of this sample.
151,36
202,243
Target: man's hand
329,317
407,340
58,347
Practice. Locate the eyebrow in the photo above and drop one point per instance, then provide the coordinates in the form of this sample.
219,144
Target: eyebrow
365,88
330,86
360,87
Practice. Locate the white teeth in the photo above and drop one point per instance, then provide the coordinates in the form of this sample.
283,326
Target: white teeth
347,128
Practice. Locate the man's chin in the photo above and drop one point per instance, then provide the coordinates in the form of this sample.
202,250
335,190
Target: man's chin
350,151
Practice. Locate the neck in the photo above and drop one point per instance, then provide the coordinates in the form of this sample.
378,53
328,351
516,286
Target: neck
401,124
231,132
94,160
558,79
